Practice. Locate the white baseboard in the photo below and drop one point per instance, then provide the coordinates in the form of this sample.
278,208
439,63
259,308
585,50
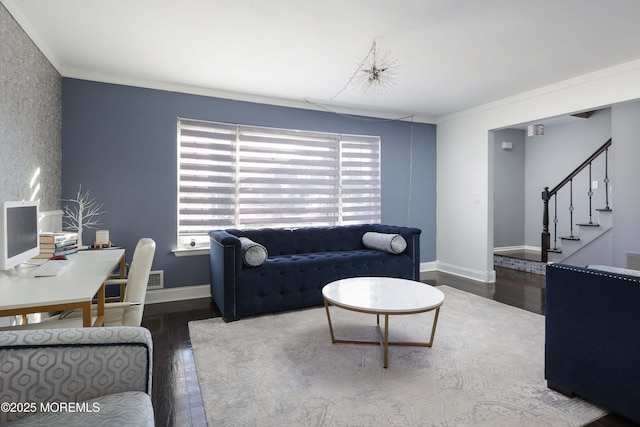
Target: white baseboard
478,275
177,294
204,291
428,266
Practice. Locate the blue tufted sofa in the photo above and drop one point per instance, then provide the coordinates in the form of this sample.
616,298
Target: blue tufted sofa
301,261
592,339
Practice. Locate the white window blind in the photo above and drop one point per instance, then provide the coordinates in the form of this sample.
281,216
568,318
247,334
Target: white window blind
248,177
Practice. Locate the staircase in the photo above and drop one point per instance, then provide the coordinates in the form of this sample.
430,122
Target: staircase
586,242
587,245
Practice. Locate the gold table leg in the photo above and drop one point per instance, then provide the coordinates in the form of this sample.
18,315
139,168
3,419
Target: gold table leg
384,336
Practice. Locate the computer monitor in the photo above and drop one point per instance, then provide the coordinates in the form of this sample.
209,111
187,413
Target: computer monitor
19,239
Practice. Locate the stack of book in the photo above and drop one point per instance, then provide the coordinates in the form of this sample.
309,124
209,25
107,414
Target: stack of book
61,243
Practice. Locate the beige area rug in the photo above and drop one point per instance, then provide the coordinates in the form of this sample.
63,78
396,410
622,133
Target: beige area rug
486,368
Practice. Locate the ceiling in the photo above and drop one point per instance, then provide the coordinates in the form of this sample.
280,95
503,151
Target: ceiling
452,54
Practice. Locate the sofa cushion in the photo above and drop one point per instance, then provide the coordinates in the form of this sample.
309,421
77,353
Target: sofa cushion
391,243
131,408
295,281
253,254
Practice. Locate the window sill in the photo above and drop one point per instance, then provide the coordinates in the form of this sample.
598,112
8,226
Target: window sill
191,251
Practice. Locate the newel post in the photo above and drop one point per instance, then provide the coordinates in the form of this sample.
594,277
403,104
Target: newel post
546,241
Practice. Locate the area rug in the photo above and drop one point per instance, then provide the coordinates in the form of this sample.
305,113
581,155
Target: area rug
486,368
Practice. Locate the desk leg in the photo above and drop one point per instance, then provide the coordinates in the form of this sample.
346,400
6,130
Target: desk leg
100,319
86,314
123,275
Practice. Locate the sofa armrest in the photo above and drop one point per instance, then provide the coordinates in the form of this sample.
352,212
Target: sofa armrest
73,365
226,265
412,236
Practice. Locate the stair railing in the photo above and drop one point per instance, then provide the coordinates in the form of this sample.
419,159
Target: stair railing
548,194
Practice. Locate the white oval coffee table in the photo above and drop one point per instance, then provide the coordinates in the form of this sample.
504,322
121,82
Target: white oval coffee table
383,296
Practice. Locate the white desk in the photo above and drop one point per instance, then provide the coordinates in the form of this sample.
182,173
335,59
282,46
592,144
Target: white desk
75,287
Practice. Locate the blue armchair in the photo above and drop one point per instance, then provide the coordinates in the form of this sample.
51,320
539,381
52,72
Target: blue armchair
593,336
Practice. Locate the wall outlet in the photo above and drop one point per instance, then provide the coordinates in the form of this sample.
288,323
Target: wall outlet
594,185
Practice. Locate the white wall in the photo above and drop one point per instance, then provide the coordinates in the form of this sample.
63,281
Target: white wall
464,232
464,241
625,179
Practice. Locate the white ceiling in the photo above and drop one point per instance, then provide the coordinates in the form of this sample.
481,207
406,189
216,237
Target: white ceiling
452,54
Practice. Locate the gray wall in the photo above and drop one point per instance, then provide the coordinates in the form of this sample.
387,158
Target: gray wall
508,175
30,119
120,143
625,180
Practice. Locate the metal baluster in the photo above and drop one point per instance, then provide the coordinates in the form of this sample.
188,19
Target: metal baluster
590,193
555,222
606,177
571,207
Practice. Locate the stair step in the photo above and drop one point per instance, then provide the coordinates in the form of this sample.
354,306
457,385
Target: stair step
604,209
555,251
570,238
589,225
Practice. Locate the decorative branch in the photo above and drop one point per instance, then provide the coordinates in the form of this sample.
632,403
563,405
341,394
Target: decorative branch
84,214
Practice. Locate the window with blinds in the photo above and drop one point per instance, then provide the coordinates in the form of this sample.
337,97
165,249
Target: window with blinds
237,176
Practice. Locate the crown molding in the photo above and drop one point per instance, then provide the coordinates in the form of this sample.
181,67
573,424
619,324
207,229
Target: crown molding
305,104
574,82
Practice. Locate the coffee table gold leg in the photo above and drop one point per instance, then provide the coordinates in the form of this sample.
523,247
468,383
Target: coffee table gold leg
326,307
433,329
383,337
386,340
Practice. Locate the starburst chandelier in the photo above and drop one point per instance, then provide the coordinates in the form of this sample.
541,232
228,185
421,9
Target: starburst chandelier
377,72
374,75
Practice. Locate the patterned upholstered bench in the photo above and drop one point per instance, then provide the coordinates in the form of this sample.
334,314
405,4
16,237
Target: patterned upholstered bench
76,377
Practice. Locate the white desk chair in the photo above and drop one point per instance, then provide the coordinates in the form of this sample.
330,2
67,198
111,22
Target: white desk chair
126,313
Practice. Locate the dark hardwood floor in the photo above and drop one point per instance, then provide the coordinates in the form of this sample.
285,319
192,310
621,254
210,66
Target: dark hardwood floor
176,393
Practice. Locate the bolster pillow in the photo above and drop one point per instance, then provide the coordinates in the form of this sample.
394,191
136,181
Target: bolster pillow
392,243
253,254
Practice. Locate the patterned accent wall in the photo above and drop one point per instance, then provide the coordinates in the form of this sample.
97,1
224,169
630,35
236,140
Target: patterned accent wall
30,119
